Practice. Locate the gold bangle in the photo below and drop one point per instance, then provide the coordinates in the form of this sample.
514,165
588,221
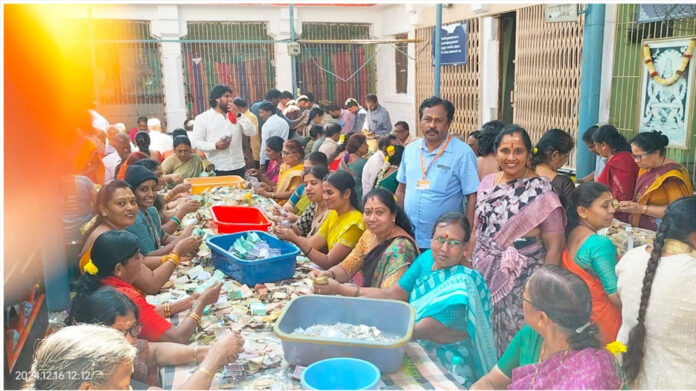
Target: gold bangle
207,372
167,310
174,257
195,317
645,209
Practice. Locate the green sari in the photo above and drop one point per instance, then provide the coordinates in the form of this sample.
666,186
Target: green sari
458,298
191,169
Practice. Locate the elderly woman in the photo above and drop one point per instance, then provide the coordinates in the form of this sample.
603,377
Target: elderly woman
656,286
117,209
519,226
184,162
147,227
451,301
592,256
621,170
116,262
558,349
290,175
109,307
385,250
660,182
550,154
99,357
340,231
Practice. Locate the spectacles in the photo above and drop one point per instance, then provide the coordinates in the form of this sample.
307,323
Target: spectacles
134,331
286,153
450,242
521,296
639,157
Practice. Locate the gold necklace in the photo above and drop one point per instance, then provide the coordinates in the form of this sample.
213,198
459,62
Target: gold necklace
541,354
502,176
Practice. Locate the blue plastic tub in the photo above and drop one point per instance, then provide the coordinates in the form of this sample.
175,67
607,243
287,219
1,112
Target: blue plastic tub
392,317
342,373
257,271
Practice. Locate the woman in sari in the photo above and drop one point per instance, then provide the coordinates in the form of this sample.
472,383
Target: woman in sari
386,177
621,170
274,148
340,231
385,249
353,160
184,162
290,175
117,209
111,308
660,182
550,154
115,261
142,141
558,348
298,201
656,286
311,219
519,226
452,303
592,256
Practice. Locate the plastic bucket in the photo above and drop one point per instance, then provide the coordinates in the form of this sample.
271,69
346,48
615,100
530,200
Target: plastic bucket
341,373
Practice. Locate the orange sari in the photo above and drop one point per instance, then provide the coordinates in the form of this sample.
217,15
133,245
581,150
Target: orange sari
604,313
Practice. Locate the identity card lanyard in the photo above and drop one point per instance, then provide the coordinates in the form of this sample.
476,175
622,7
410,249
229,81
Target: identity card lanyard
424,184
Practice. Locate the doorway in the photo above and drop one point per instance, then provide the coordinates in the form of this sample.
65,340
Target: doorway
508,30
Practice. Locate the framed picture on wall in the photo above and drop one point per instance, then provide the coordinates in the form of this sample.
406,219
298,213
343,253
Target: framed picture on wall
667,82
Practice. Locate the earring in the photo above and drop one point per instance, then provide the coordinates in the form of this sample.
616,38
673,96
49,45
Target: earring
104,214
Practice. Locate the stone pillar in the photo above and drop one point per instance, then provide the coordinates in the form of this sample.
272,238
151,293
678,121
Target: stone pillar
280,29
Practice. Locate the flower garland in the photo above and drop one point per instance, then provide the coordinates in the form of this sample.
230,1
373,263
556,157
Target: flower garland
677,74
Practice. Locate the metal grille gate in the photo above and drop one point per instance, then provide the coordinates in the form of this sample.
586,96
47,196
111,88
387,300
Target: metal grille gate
342,59
460,84
547,74
127,75
628,64
247,67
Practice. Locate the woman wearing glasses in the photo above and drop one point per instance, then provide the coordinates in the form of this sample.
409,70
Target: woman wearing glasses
290,174
115,261
453,306
660,182
109,307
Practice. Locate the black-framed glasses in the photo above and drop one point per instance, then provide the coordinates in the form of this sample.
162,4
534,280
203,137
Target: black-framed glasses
450,242
522,298
640,156
134,330
286,153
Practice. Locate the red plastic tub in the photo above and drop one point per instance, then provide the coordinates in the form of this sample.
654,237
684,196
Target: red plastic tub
231,219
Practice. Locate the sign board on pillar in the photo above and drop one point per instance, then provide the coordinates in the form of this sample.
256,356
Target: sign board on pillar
452,44
561,12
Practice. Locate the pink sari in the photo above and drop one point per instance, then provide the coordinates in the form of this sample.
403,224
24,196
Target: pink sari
588,369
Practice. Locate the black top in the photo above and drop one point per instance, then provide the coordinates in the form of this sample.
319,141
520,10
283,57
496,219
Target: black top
564,187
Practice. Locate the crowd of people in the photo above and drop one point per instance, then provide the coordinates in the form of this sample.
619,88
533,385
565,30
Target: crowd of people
498,252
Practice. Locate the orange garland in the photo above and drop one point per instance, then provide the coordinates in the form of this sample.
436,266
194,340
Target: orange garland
677,74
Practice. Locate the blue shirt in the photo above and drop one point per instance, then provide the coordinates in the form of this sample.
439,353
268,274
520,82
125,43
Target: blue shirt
142,230
452,176
378,122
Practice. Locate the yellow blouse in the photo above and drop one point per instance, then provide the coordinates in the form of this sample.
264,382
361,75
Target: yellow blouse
344,229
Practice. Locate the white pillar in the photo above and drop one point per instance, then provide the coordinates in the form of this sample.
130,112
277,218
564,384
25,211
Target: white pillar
280,29
168,26
490,69
607,62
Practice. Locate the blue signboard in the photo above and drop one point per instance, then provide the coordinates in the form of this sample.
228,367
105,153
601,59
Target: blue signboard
452,44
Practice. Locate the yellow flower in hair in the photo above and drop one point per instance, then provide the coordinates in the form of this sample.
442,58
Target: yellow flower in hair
616,348
536,150
91,268
390,153
342,139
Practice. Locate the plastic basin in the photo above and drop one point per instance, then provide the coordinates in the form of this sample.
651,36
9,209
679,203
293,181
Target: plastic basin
342,373
231,219
252,272
199,185
305,311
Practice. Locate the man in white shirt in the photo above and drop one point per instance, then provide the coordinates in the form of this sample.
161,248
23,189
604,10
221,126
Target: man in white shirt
216,135
121,143
159,141
375,163
273,125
